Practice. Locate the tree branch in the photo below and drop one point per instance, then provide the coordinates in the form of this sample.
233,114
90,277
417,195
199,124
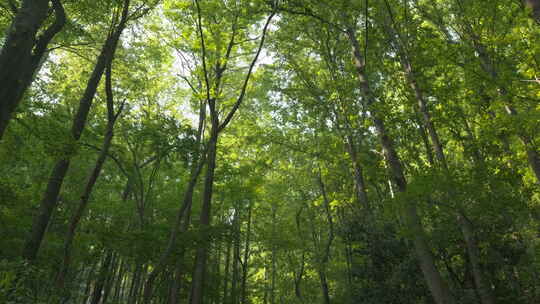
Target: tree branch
248,76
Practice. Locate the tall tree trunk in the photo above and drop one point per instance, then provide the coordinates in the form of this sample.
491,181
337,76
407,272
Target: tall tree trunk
85,197
236,256
426,115
298,278
23,52
274,256
324,287
109,283
50,198
199,274
119,282
177,229
245,267
179,273
177,280
101,280
360,185
226,273
352,150
322,268
466,228
533,157
135,284
437,285
183,215
484,291
88,286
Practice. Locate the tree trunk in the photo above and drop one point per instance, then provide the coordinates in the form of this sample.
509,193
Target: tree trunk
298,278
236,256
466,227
183,216
177,283
484,290
110,278
119,282
101,280
246,257
86,293
226,273
533,156
135,284
179,266
274,256
23,52
199,273
324,287
426,115
326,254
360,185
85,197
50,198
437,285
183,212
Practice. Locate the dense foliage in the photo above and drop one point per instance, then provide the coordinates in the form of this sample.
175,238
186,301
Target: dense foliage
269,151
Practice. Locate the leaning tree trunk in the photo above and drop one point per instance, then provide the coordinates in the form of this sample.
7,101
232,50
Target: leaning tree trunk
23,52
484,291
437,285
182,220
533,156
50,198
85,197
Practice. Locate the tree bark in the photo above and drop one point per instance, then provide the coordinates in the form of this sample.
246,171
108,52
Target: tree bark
50,198
23,52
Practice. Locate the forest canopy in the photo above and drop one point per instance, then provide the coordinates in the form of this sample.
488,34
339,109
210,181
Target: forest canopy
270,151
